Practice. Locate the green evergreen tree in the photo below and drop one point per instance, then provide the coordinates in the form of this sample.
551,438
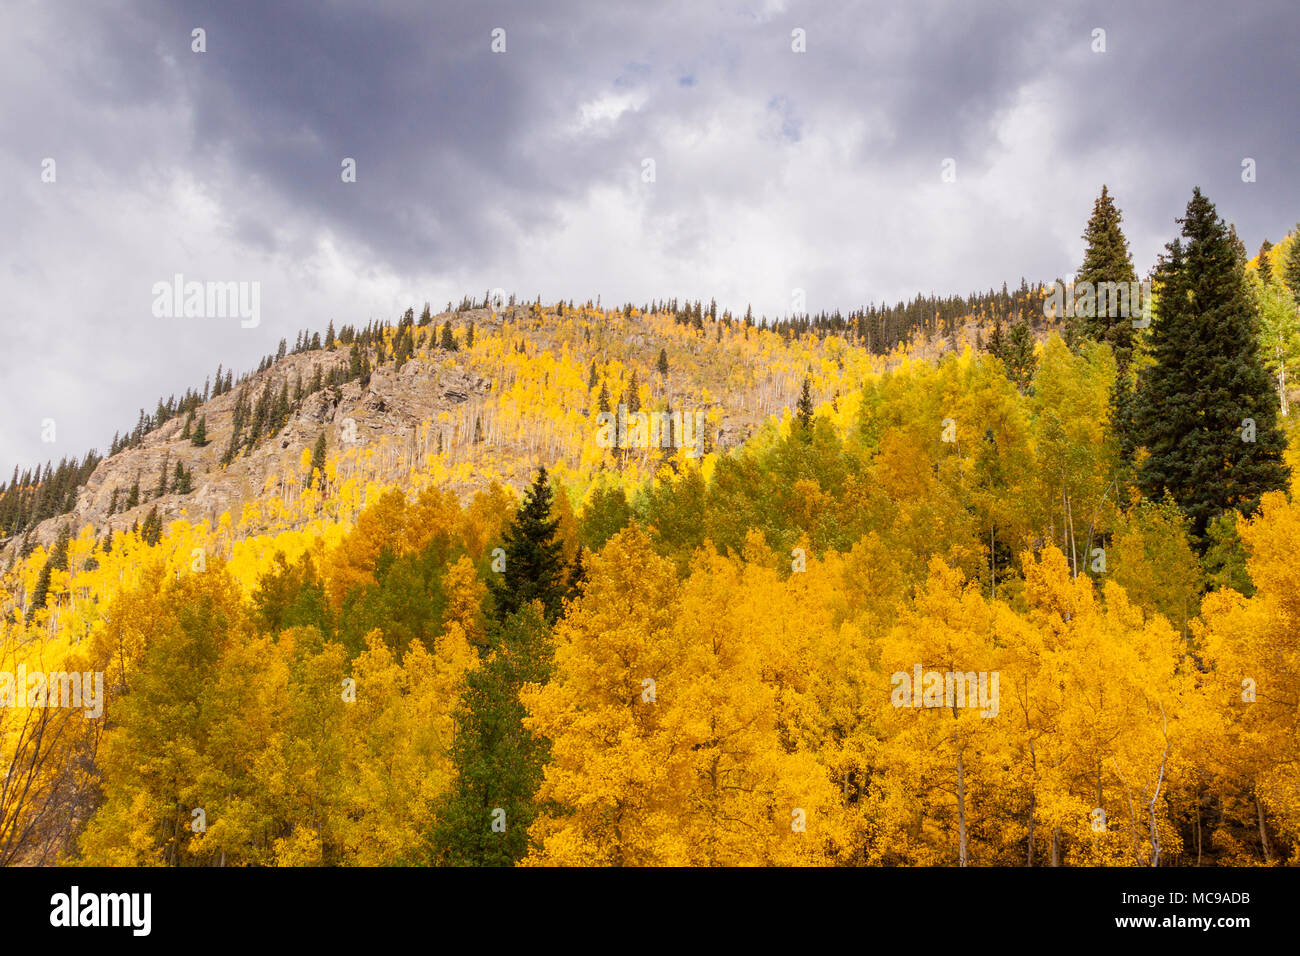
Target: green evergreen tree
534,566
1205,410
483,820
200,436
662,364
447,342
318,461
804,413
1107,260
997,339
1018,356
1265,262
1291,268
151,530
163,476
57,561
633,395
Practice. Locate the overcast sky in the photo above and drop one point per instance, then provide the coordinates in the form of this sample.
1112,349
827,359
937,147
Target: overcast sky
774,170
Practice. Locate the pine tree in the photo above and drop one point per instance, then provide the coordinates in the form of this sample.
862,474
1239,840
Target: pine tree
469,336
484,819
804,414
997,340
182,480
1018,356
163,476
1264,262
534,567
1205,410
1106,260
1291,268
133,496
151,531
662,364
592,378
633,395
318,461
447,341
200,436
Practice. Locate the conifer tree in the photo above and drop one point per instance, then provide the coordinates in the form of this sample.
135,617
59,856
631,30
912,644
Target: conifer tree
534,566
804,414
200,436
1106,260
318,461
1264,262
662,364
1291,268
1205,410
1018,356
151,531
447,341
633,395
163,476
483,820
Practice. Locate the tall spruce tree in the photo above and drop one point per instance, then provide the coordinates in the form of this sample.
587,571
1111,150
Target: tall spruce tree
1107,260
804,410
1205,409
1291,266
483,819
534,565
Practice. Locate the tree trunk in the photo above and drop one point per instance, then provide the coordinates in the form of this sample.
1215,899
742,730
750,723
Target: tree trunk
961,811
1263,832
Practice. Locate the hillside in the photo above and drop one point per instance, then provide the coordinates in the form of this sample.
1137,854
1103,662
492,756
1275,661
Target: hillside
519,395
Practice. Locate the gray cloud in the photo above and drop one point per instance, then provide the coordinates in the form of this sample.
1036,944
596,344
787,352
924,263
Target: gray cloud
774,170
